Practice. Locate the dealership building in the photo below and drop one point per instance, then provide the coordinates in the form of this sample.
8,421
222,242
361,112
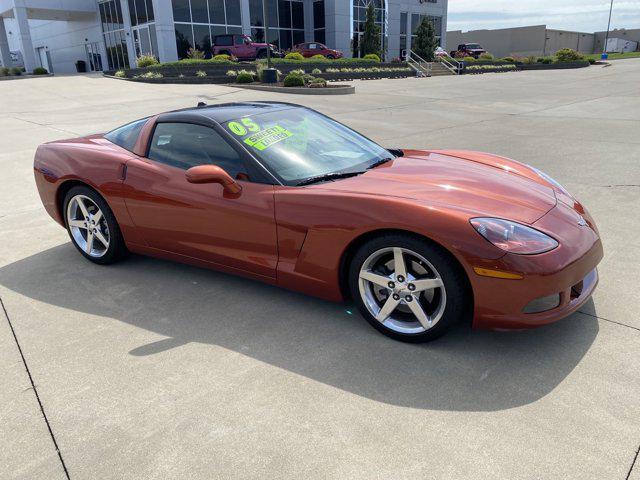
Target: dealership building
61,35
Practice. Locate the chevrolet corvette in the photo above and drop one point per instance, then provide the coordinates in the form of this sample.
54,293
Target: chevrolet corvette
276,192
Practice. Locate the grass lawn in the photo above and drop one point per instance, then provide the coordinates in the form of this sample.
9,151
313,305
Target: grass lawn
616,56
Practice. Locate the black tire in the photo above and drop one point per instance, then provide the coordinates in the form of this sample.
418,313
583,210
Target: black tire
117,248
458,299
261,54
330,57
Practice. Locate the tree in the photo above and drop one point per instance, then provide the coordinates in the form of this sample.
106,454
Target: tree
370,42
426,42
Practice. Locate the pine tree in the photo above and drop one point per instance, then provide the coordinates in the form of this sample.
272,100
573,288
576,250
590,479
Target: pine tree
370,42
426,42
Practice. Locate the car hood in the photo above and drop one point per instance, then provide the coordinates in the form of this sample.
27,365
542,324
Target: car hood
480,183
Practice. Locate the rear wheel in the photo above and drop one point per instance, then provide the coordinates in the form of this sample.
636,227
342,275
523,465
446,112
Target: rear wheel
92,226
407,288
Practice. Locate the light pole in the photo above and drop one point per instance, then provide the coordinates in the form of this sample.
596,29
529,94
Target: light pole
606,38
266,31
269,74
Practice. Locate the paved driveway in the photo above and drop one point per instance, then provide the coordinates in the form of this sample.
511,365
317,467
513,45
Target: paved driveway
149,369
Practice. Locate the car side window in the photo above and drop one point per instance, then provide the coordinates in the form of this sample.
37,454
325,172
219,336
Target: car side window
313,46
186,145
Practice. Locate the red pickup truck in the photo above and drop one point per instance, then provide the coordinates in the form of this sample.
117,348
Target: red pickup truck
468,50
242,47
310,49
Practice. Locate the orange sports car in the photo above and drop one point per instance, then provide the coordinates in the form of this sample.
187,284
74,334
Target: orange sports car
280,193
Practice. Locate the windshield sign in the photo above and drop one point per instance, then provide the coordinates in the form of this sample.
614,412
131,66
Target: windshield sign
297,144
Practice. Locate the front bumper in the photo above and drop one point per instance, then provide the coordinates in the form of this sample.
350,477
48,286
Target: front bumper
567,273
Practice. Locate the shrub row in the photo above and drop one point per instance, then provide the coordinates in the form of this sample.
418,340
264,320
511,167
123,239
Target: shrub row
11,72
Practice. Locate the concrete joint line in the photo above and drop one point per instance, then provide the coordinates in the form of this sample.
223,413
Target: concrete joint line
635,458
35,390
610,321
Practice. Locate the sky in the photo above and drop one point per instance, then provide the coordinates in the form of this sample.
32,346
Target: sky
577,15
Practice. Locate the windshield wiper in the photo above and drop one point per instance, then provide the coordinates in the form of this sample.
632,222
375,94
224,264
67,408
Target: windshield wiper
327,177
379,162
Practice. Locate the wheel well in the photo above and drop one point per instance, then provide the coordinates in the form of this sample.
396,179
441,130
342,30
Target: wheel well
62,191
352,248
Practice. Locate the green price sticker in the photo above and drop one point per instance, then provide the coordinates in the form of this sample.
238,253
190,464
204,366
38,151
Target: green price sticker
267,137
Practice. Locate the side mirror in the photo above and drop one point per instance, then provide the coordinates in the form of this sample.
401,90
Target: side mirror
212,174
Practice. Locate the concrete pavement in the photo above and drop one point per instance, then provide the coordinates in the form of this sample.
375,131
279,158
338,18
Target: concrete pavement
149,369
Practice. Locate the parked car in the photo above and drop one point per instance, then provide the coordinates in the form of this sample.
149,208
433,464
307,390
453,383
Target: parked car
309,49
242,47
440,52
468,50
419,239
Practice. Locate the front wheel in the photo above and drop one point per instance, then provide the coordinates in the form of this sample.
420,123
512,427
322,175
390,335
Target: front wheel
407,288
92,226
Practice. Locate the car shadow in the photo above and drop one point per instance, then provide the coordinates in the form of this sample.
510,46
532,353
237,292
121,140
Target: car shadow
463,371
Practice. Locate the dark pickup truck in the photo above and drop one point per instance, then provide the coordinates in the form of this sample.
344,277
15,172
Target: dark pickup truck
468,50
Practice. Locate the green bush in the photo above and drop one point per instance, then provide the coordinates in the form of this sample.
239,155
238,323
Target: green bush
40,71
319,57
468,59
294,80
281,61
16,71
546,60
120,74
146,61
316,71
232,73
568,55
4,72
592,61
316,82
221,58
294,56
201,73
508,59
195,54
372,56
244,77
149,75
486,56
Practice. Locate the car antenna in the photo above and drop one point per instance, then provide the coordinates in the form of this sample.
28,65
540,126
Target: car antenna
201,104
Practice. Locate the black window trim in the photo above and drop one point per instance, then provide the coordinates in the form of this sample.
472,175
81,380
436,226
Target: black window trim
257,171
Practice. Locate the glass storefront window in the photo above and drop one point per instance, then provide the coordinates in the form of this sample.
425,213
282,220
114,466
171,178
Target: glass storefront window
184,39
200,11
286,22
181,11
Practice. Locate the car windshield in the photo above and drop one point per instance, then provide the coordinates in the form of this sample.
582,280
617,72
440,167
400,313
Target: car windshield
297,144
474,46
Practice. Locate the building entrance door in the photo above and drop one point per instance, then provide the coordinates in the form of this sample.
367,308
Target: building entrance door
94,59
44,60
144,41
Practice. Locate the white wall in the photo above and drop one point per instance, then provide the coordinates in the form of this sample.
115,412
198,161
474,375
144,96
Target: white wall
65,40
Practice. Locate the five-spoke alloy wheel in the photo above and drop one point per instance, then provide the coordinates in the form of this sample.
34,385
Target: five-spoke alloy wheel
407,288
92,226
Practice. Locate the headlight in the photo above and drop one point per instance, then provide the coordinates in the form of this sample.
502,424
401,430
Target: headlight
513,237
552,181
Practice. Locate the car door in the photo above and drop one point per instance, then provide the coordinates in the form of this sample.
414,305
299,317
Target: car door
242,46
311,50
200,220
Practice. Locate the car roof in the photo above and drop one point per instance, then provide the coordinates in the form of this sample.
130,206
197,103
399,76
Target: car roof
223,112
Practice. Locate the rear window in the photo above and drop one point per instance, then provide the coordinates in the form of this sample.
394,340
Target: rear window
224,40
126,135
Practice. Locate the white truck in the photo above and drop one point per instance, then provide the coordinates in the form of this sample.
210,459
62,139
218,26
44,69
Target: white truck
620,45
